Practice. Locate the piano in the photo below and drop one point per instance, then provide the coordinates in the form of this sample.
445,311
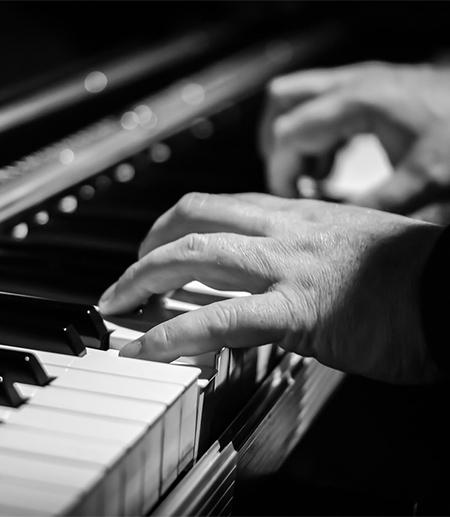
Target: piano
83,431
91,154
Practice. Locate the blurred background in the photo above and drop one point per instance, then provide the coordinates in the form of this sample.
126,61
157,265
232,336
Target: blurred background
377,449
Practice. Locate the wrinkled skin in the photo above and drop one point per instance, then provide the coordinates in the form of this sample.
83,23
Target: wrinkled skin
407,107
335,282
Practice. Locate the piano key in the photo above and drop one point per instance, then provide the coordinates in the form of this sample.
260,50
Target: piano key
120,336
183,295
79,424
9,396
197,287
55,336
143,456
95,453
178,305
110,406
18,366
140,466
49,470
141,389
22,498
108,362
84,318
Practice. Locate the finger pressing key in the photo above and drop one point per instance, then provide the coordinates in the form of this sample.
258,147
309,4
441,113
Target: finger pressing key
222,261
237,323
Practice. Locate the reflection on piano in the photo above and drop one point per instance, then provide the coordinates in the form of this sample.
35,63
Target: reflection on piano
83,431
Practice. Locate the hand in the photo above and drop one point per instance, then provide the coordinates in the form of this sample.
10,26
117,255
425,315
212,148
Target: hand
335,282
314,113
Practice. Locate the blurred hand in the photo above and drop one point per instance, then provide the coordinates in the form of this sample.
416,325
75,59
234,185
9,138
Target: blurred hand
314,113
335,282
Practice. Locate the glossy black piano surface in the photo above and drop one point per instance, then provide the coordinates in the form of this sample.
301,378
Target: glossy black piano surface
69,236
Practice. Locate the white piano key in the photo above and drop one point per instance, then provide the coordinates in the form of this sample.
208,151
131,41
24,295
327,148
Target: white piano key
120,336
109,362
55,448
10,511
130,435
89,426
94,452
197,287
178,305
109,406
20,465
137,389
91,453
110,384
25,499
91,403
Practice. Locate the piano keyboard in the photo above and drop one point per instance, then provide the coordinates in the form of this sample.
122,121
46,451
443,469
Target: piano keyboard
83,431
112,433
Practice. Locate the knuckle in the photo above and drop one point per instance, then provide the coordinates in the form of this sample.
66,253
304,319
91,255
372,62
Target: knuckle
300,318
131,273
364,73
225,317
191,204
269,224
159,338
374,66
194,244
290,307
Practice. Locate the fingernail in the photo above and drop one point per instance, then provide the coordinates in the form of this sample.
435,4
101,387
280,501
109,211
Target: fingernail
132,349
106,298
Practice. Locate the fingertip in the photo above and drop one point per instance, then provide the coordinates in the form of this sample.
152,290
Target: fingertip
106,300
132,349
115,300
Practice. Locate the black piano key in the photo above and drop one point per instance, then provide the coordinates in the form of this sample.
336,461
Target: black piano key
44,336
8,394
25,367
49,314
